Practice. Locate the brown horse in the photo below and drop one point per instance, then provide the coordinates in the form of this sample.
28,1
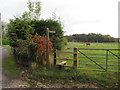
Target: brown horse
87,44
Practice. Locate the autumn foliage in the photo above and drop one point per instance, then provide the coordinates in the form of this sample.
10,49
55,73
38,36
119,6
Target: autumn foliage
40,44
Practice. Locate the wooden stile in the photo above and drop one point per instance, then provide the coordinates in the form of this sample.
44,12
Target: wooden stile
62,64
75,57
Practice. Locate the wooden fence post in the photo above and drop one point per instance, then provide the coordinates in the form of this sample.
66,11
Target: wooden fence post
54,57
75,57
47,47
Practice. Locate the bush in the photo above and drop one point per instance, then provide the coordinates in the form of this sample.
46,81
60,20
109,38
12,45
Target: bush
20,30
5,41
53,25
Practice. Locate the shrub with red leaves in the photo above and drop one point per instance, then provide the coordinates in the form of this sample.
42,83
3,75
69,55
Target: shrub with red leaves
40,44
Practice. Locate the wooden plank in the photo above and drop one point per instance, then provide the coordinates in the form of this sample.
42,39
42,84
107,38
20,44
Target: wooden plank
65,59
66,52
68,66
62,63
51,31
94,54
55,55
96,57
100,57
95,49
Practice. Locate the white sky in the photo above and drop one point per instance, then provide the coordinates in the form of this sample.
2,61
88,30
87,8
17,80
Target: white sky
78,16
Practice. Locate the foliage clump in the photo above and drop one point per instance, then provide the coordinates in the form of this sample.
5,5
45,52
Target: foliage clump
54,25
21,29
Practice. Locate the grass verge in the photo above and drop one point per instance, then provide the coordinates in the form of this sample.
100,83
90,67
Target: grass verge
4,45
100,79
11,66
8,62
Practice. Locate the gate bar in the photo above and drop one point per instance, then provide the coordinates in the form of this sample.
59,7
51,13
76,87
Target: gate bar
91,60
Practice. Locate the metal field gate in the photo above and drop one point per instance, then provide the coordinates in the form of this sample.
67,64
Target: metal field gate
99,59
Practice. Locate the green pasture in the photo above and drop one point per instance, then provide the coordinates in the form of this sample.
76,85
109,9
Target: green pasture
94,45
87,64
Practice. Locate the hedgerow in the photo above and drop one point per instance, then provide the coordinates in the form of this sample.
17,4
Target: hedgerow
27,51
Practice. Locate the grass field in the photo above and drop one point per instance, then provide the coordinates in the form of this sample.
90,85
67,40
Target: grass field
94,45
99,56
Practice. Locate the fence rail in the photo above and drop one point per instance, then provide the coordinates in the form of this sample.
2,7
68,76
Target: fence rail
74,59
96,49
102,61
65,59
99,57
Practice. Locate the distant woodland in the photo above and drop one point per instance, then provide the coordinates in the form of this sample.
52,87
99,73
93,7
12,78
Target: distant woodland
91,37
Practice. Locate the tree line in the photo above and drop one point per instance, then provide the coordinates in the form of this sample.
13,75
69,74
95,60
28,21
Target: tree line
91,37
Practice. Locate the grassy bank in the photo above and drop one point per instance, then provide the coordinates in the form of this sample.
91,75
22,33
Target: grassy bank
64,76
8,61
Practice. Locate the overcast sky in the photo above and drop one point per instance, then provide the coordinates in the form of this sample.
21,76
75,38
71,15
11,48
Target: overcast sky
78,16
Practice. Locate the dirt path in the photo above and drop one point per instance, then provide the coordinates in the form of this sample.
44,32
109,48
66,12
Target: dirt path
7,79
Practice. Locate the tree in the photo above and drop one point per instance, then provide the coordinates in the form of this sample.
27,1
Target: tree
91,37
34,10
19,29
5,40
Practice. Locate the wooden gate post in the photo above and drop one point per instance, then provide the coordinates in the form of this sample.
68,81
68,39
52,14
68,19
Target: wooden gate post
47,47
75,57
55,57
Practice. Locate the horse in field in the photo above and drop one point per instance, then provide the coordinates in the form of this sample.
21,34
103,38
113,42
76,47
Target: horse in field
87,44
